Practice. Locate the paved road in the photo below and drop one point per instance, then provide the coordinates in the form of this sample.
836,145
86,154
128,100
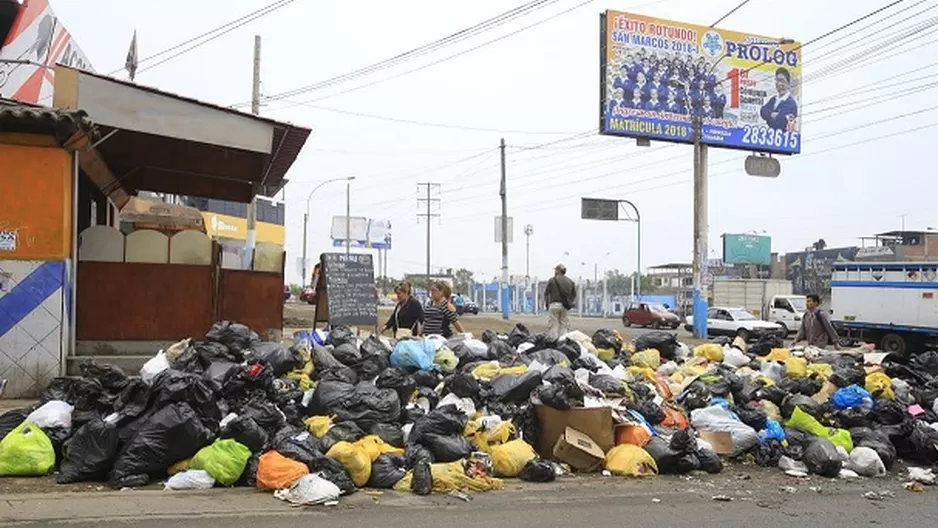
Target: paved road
588,325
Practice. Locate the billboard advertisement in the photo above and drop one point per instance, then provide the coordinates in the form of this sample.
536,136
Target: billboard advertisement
366,233
747,249
36,43
658,76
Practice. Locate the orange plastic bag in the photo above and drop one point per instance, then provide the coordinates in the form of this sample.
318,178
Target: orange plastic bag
632,434
276,472
673,417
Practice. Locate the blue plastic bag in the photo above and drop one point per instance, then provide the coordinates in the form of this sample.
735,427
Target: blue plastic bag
412,354
773,431
852,396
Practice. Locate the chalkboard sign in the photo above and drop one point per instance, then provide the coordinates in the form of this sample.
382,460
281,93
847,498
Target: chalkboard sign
346,290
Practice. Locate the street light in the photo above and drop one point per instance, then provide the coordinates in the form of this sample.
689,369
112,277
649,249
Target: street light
306,215
701,229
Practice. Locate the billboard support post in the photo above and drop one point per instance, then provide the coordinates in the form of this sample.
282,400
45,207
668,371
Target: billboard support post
701,232
306,220
504,195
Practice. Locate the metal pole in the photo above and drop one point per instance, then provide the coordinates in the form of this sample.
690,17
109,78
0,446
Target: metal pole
305,223
428,237
348,220
504,195
638,252
701,232
247,258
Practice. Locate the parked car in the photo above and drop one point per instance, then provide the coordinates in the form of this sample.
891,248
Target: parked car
649,314
722,321
307,295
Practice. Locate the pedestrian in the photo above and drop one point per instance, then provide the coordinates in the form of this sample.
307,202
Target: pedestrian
407,314
816,327
560,297
460,302
441,317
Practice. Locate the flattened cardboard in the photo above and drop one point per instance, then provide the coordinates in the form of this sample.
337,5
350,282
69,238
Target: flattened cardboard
594,423
722,442
579,451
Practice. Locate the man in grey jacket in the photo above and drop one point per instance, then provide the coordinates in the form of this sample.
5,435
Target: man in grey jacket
816,327
560,297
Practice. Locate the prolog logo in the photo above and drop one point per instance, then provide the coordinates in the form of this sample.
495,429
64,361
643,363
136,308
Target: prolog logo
712,44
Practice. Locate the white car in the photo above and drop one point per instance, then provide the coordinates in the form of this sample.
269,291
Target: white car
736,322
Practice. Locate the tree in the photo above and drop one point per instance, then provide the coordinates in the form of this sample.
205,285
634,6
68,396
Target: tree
618,283
386,284
462,281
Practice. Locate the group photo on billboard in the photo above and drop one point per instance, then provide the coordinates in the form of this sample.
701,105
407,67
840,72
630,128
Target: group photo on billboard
658,76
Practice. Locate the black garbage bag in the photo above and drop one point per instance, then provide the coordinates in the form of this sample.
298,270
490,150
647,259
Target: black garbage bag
249,475
514,387
806,404
608,339
371,366
89,454
924,442
568,348
236,336
411,414
609,385
769,453
752,417
562,394
650,410
422,481
58,436
265,414
683,441
426,379
374,406
390,433
111,377
192,361
217,372
518,335
340,335
709,461
386,471
173,433
877,441
774,394
280,358
426,393
543,342
847,375
246,431
214,350
501,351
341,432
333,471
539,470
488,336
173,386
663,342
10,420
695,396
926,362
374,346
547,356
297,444
888,412
558,374
447,448
323,359
822,458
853,417
416,453
444,421
341,374
463,384
347,354
333,396
397,380
765,344
803,386
669,461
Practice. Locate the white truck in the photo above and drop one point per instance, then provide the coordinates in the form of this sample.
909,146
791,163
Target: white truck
894,305
768,299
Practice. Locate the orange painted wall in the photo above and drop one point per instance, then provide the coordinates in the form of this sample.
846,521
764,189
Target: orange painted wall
36,202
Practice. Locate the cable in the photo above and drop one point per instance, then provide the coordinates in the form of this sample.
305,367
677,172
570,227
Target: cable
735,9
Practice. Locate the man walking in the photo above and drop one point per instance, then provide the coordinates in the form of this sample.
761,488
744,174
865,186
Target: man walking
560,297
816,327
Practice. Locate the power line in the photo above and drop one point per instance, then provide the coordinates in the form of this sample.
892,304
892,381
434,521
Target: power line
730,13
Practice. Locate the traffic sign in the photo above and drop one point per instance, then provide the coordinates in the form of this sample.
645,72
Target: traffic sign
763,166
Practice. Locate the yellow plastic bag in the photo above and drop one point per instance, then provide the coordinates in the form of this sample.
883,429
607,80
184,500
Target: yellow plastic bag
650,359
509,459
487,371
777,354
805,422
446,359
451,477
318,426
179,467
710,351
771,410
302,379
821,371
605,354
796,367
643,372
879,385
355,459
375,447
629,460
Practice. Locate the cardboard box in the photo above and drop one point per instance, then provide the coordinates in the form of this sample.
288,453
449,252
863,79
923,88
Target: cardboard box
595,423
579,451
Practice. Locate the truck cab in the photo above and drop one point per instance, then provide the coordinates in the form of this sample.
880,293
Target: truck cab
786,311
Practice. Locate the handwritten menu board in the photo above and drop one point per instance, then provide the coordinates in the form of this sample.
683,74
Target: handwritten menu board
347,290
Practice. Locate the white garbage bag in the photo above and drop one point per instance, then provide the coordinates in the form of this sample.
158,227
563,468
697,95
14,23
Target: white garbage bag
716,419
53,414
153,367
476,348
865,462
308,491
465,405
735,357
191,479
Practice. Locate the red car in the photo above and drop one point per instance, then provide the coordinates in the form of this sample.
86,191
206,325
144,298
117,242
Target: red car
648,314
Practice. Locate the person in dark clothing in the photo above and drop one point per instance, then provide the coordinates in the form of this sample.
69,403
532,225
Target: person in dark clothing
781,111
560,297
816,327
407,315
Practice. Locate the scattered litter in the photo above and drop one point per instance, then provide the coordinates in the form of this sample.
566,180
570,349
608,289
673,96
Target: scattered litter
878,496
925,476
722,498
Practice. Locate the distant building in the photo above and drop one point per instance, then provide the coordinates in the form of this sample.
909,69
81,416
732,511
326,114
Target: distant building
899,246
810,271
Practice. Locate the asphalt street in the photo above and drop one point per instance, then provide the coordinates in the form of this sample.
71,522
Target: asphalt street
588,325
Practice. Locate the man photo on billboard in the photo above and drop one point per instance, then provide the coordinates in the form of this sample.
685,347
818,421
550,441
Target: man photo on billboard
781,110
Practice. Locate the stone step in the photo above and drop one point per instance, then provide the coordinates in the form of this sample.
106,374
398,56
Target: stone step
129,364
120,348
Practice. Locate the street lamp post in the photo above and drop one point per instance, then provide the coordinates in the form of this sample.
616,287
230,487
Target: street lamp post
306,216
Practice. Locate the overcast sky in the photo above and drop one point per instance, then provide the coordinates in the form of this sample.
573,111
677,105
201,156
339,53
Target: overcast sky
539,86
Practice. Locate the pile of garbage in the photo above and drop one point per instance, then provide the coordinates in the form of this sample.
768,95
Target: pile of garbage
333,413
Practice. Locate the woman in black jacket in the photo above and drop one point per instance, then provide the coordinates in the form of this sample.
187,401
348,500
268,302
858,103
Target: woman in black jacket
408,313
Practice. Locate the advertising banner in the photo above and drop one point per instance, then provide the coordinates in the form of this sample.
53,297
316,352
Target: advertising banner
36,43
659,75
747,249
366,233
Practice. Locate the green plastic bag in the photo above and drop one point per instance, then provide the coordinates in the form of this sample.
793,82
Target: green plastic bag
224,460
446,359
26,452
805,422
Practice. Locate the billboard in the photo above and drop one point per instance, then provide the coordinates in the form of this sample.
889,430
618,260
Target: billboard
659,75
747,249
36,43
366,233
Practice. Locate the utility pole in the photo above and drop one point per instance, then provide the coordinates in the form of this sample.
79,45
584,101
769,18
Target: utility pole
528,231
504,194
428,216
247,259
348,220
701,232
